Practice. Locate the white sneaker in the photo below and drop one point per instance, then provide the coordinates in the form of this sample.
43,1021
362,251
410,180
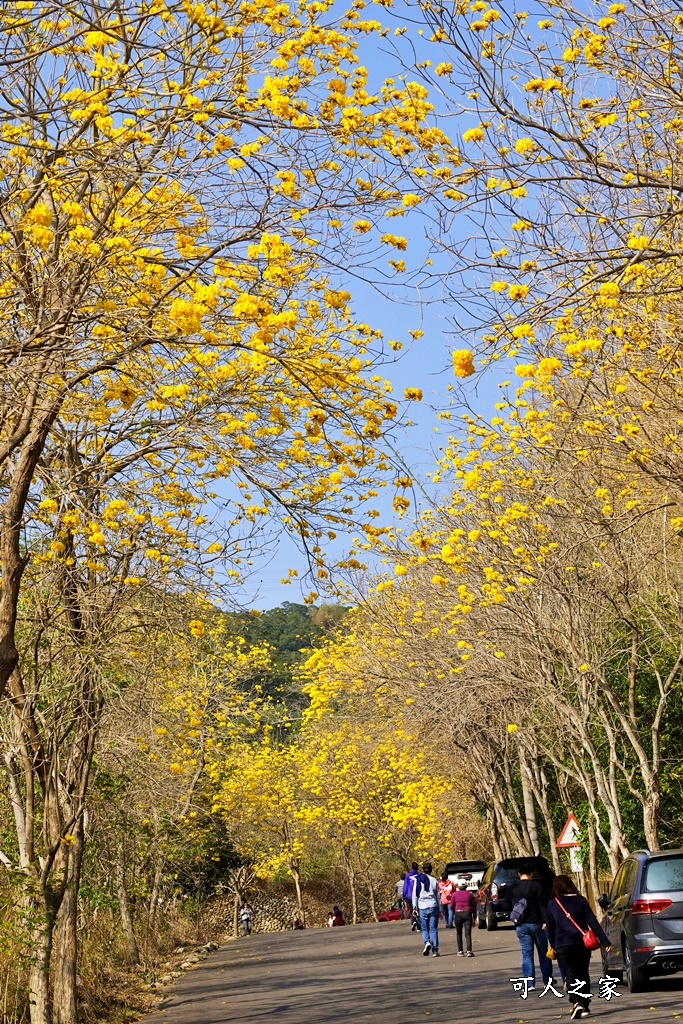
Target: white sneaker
427,950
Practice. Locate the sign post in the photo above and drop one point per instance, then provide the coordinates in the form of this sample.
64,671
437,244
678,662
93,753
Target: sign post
569,839
575,862
569,836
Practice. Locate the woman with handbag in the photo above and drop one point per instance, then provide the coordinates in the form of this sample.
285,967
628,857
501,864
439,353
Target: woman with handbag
573,931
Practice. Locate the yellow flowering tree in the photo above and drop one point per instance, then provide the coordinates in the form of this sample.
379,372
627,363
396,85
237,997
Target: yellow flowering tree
377,779
550,577
572,146
177,180
209,699
260,792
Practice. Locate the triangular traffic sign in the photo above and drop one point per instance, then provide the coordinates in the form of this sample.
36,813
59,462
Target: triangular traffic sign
569,834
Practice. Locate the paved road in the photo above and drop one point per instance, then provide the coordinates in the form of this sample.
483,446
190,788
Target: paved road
376,973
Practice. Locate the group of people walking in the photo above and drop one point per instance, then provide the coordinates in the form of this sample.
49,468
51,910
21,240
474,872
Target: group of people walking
554,927
426,899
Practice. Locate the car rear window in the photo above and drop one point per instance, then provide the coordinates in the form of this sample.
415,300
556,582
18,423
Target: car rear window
507,875
665,874
465,865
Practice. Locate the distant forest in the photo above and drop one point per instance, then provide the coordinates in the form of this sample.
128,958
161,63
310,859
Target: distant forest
289,629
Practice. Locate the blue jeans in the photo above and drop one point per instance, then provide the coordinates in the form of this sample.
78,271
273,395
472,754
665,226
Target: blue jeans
429,923
447,911
531,935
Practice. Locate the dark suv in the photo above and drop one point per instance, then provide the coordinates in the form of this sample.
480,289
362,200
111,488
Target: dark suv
644,918
493,902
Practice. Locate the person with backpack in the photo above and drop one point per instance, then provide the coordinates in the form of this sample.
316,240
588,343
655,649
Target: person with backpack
427,902
528,916
408,886
463,906
573,931
446,889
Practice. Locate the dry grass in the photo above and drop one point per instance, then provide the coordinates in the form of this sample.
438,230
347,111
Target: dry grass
110,991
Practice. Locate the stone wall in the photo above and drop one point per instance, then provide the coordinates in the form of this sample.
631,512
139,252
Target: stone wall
274,906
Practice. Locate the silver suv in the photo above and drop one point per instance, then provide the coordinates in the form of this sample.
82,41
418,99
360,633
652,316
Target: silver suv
644,918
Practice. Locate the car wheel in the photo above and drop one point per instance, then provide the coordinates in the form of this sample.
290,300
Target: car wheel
491,919
636,978
481,922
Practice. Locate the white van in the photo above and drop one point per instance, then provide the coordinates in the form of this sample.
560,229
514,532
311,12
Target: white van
469,871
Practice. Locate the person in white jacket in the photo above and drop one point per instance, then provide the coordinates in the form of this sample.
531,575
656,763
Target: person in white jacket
427,902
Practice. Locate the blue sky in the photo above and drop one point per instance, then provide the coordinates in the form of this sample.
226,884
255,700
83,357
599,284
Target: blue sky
425,363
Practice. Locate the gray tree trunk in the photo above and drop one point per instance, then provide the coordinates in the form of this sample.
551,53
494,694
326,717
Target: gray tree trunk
65,951
39,973
529,805
126,914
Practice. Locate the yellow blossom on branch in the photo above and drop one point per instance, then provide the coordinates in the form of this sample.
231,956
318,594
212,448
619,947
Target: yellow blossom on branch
463,363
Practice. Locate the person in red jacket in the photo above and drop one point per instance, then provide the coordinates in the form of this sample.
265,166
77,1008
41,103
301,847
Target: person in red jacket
446,889
464,907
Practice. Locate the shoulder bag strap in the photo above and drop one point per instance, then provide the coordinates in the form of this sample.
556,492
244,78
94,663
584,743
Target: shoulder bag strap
569,916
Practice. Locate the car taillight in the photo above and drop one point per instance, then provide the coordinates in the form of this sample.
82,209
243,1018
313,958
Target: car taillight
649,906
494,891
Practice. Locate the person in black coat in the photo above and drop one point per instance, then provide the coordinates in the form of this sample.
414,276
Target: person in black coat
568,917
531,928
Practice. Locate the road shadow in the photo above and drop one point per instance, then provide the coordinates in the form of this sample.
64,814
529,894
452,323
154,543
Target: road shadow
376,974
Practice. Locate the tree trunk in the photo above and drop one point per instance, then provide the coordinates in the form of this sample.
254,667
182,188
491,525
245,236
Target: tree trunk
156,888
516,842
126,915
524,844
503,840
354,894
539,785
65,953
593,863
39,973
529,805
371,898
297,885
13,560
616,848
651,818
493,829
65,1010
236,916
